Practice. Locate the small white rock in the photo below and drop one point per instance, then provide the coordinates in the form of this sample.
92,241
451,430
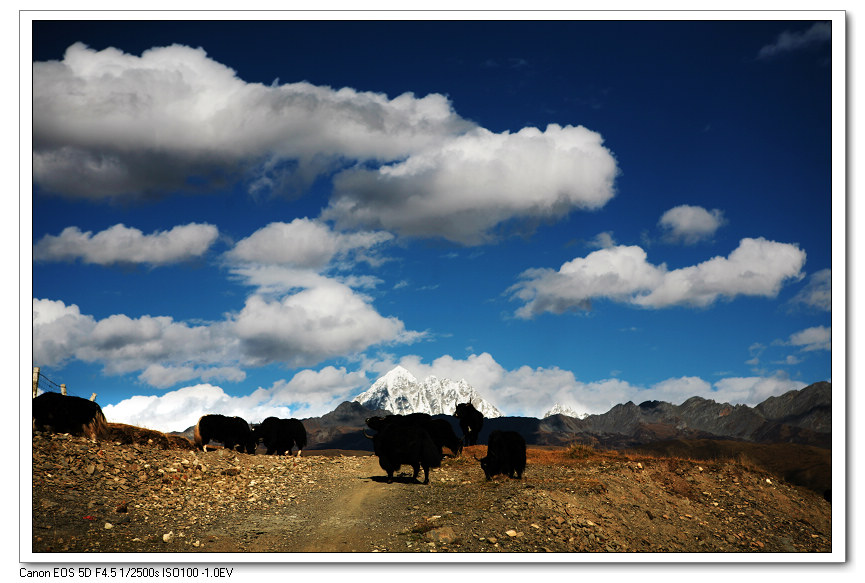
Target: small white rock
108,526
168,537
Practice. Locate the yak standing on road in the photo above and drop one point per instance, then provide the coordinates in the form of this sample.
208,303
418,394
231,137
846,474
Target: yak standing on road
439,429
400,442
506,454
230,431
280,435
471,421
67,414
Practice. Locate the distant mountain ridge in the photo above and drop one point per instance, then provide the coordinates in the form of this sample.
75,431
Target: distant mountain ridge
400,392
801,417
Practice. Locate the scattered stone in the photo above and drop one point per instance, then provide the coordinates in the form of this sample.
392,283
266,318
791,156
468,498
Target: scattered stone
442,535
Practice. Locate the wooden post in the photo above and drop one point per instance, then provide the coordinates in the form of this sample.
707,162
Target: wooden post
35,380
63,389
93,397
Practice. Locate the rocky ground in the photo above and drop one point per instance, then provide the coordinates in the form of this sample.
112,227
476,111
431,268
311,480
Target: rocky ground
116,497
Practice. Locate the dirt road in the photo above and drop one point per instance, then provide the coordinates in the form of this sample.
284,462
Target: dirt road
351,512
133,498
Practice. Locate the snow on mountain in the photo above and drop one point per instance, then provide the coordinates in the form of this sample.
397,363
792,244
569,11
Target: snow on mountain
400,392
564,410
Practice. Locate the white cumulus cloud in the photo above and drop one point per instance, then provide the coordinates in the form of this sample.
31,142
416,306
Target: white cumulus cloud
757,267
122,244
752,390
112,124
309,393
300,329
107,124
810,339
123,344
320,322
617,273
303,243
182,408
689,224
58,330
465,187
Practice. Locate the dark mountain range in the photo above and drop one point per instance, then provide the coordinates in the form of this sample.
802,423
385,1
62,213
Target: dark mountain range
801,417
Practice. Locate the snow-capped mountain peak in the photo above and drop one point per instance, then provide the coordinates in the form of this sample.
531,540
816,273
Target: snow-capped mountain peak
399,391
559,409
396,377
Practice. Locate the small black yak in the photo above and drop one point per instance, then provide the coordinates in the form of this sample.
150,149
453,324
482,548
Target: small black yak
471,421
230,431
280,435
506,454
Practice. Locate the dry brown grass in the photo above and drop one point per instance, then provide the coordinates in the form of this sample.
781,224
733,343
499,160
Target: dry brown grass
574,454
803,465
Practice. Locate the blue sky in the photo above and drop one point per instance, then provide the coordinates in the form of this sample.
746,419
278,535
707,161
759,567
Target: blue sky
252,218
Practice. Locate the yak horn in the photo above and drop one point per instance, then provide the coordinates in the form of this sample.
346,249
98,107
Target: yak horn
364,434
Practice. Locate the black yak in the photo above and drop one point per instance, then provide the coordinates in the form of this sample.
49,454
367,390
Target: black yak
67,414
280,435
506,454
398,443
443,435
439,429
230,431
471,421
